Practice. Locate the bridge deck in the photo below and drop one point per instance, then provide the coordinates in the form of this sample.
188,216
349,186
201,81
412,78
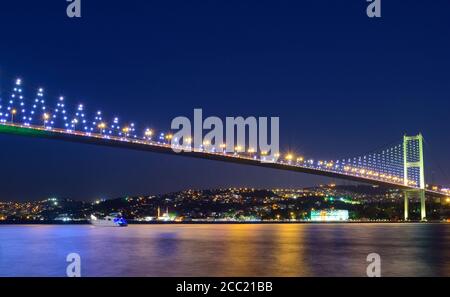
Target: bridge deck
140,145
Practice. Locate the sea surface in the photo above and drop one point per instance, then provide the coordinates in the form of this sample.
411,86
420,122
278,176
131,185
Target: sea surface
226,250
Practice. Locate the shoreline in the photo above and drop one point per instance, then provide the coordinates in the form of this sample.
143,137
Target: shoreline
86,222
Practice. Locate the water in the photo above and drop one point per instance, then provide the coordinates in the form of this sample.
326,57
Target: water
226,250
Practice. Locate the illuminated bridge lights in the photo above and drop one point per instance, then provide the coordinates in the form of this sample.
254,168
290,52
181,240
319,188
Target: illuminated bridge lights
386,166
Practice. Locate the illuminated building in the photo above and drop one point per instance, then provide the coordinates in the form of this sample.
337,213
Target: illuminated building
329,215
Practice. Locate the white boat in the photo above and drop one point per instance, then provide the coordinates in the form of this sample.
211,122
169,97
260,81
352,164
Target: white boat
113,220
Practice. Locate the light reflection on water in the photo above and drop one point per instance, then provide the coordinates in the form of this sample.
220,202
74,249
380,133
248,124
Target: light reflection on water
227,250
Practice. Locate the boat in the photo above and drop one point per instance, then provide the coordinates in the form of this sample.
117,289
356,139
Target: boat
112,220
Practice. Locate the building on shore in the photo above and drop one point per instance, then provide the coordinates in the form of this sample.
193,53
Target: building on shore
329,215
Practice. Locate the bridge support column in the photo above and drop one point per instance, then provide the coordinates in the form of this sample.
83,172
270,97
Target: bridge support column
416,195
414,169
423,212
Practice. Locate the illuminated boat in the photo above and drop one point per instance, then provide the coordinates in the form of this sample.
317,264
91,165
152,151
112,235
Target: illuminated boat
113,220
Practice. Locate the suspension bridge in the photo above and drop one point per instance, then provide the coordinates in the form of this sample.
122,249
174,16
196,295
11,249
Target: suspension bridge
398,166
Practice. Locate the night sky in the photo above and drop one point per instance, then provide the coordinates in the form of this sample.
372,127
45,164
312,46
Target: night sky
341,83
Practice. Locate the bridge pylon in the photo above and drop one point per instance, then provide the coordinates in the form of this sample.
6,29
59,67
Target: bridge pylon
414,170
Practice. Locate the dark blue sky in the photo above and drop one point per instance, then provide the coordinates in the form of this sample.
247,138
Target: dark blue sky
341,83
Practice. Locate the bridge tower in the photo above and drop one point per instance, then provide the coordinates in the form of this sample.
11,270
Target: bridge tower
414,170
